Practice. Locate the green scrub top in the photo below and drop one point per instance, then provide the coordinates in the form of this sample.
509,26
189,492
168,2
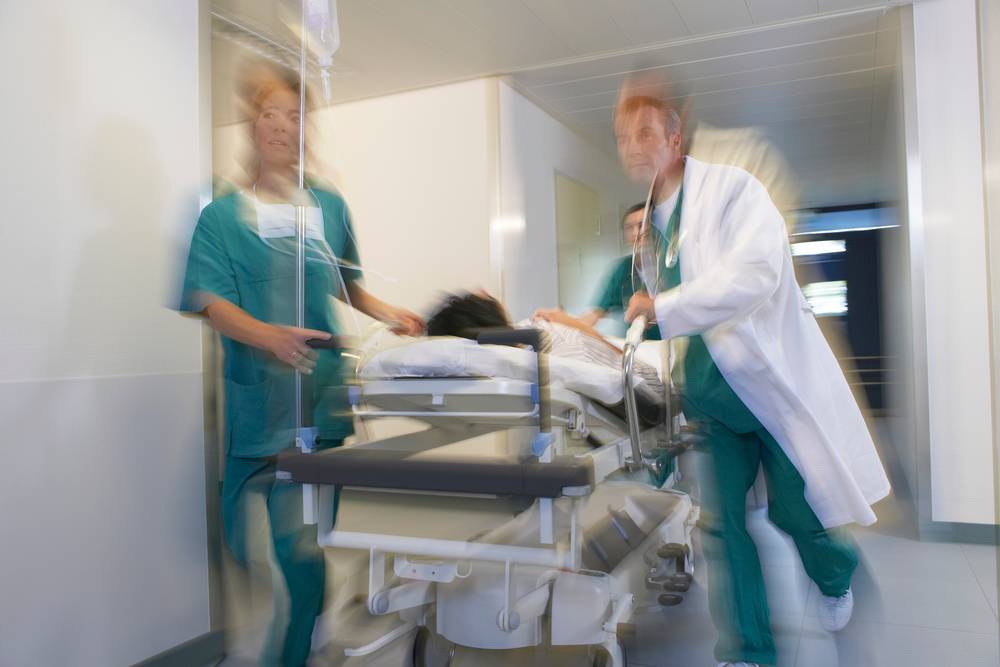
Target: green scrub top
705,388
619,288
228,259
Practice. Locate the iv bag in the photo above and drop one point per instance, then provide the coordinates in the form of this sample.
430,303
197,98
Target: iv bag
322,32
323,29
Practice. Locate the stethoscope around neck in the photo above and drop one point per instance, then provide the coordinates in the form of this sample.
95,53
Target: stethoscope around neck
645,266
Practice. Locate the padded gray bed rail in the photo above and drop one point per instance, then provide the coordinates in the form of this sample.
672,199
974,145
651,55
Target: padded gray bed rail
350,466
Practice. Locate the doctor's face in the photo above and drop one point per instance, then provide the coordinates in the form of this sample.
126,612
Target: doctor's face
276,130
644,145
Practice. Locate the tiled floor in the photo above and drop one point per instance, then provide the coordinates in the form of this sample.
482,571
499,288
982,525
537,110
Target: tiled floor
917,604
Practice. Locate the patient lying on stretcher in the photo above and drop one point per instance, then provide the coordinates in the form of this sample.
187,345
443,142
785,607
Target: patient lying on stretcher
564,335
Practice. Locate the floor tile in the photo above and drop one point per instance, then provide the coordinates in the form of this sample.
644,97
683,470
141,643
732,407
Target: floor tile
926,602
983,561
684,636
884,645
906,558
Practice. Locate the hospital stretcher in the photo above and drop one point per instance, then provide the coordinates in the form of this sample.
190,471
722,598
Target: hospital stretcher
597,543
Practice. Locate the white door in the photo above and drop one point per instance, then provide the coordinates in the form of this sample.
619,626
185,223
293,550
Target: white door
578,232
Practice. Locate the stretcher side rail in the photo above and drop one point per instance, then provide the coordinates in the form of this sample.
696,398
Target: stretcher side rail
676,439
360,467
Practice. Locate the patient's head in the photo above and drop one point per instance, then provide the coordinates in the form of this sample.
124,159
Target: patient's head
461,314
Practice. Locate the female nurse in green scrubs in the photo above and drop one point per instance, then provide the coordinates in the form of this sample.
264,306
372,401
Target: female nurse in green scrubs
241,277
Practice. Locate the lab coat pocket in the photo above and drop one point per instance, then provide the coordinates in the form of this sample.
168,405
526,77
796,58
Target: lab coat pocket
251,420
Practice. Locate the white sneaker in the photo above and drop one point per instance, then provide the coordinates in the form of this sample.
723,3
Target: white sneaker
834,613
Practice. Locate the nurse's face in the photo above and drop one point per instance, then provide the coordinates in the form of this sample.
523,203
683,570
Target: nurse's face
644,146
276,130
631,227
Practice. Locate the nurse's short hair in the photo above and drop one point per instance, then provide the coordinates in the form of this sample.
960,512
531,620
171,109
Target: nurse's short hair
671,119
641,206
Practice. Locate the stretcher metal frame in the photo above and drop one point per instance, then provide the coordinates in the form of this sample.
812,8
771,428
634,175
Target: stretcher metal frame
423,562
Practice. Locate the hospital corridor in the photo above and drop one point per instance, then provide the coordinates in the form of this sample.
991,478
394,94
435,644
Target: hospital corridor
500,333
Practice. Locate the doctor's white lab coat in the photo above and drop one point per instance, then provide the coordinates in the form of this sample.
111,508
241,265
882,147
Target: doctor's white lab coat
739,291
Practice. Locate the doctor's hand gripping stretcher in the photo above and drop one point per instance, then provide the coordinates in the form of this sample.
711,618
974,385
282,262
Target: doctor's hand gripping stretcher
599,542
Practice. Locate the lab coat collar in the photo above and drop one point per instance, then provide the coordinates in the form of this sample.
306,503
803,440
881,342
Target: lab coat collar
692,182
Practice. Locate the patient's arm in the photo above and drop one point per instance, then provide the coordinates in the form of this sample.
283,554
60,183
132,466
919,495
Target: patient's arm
592,316
402,321
560,316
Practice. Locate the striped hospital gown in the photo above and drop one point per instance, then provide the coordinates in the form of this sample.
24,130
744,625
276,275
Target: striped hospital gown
565,341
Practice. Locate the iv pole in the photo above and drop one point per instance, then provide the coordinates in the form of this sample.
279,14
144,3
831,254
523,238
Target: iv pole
305,432
327,41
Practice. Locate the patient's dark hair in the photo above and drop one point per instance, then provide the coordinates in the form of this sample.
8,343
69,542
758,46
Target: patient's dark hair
462,314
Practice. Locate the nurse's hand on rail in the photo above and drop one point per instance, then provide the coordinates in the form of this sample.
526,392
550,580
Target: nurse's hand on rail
289,345
641,304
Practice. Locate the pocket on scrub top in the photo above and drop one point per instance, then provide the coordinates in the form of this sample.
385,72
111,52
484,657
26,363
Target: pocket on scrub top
252,419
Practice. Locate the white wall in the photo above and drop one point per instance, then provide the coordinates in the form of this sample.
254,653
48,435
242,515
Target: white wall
533,147
417,170
896,289
947,254
989,42
103,506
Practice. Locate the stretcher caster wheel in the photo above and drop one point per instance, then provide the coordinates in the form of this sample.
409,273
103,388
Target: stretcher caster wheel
432,650
669,599
604,658
679,553
673,550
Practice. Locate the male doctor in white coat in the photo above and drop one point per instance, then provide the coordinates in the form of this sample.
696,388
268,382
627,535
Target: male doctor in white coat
758,378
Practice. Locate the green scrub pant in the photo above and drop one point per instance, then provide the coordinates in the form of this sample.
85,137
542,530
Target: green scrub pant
737,598
249,491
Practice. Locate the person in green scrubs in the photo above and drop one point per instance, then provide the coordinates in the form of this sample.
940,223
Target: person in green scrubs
620,283
240,276
734,441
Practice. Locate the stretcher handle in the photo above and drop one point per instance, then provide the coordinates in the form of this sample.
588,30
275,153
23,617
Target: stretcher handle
308,390
508,336
636,331
332,343
632,340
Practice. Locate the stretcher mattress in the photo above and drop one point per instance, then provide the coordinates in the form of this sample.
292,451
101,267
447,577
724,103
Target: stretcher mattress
458,357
